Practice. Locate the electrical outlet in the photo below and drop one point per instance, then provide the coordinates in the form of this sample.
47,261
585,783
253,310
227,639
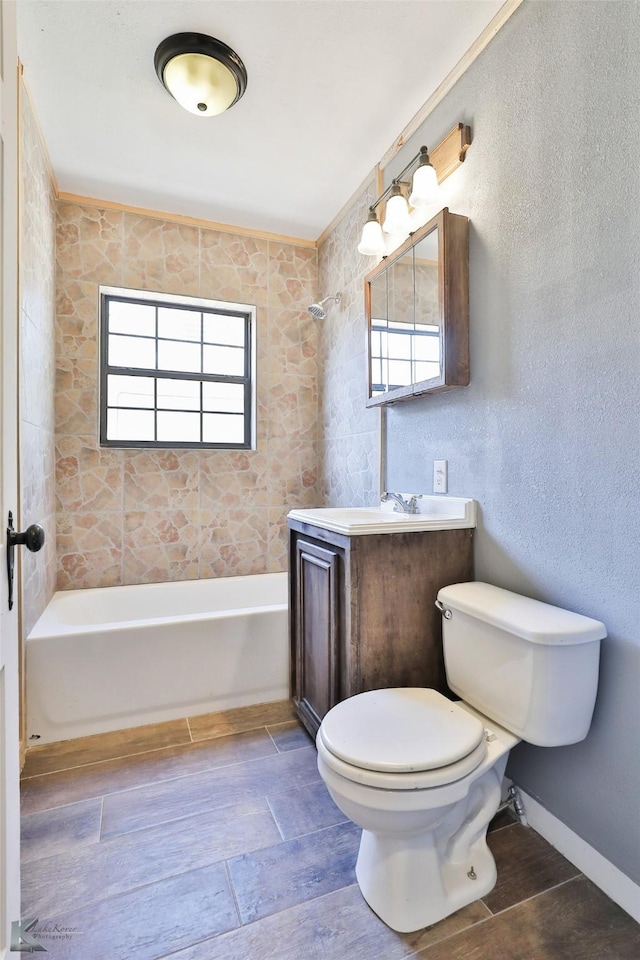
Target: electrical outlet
440,471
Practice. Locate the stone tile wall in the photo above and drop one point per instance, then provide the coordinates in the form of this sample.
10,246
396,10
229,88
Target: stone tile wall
350,430
37,365
136,516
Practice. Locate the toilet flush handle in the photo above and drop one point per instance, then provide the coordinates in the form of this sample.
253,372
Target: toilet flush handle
446,613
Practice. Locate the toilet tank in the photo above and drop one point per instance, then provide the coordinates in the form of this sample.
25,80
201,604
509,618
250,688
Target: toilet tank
531,667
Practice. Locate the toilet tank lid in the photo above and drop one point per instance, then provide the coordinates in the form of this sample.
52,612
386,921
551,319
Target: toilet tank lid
530,619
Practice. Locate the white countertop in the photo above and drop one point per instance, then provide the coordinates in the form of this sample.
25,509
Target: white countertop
435,513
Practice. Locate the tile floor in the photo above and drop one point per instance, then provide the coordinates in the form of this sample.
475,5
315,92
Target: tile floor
231,849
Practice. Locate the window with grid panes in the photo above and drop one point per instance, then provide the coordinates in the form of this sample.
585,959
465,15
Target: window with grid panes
403,353
175,371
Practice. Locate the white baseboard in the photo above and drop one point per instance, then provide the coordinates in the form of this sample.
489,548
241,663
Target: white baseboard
600,871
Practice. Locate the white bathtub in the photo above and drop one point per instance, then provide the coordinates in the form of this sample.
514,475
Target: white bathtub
118,657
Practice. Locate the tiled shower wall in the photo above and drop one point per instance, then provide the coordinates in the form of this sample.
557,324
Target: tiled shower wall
350,430
136,516
37,365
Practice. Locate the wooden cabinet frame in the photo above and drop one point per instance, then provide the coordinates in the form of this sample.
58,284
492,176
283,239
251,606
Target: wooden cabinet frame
453,307
362,611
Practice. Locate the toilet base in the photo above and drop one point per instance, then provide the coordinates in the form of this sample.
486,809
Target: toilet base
413,882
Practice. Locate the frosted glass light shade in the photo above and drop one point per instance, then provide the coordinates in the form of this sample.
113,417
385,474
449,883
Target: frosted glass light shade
371,242
201,85
204,75
397,214
425,186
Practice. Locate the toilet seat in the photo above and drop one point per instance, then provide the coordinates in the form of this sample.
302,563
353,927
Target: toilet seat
403,738
422,780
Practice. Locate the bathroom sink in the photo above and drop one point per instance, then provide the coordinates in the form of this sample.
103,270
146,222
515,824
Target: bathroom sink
435,513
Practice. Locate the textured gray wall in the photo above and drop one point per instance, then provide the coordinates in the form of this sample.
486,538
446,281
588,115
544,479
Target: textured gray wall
546,437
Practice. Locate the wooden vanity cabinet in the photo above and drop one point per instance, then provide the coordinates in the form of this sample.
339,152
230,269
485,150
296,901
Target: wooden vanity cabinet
362,611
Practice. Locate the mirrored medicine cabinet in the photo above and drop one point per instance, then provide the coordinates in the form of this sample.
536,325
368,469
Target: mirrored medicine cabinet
417,309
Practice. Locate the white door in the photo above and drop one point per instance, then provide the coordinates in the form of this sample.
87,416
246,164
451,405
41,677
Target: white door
9,728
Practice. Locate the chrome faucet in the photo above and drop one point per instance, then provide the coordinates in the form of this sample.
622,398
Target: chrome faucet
401,505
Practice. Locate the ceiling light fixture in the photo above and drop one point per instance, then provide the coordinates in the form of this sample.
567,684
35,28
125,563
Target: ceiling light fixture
204,75
428,172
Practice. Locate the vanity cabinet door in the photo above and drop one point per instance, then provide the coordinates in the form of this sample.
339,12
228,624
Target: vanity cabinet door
362,612
317,591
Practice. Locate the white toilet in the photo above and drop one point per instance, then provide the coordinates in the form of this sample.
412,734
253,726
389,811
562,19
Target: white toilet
422,774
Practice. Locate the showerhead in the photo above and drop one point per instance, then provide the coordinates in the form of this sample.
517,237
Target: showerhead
318,311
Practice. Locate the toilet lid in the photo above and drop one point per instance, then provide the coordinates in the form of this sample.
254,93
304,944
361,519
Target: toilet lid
400,730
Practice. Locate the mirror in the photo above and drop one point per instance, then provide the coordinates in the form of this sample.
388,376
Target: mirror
417,306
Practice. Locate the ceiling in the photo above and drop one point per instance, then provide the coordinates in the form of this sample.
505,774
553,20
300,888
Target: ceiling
330,87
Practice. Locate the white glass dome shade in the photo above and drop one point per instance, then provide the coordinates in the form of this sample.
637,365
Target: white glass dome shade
397,213
425,188
372,241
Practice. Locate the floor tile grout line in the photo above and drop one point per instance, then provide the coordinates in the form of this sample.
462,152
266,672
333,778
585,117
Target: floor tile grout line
242,816
505,826
300,786
197,943
199,773
424,951
311,833
165,746
120,756
233,891
141,753
533,896
184,776
39,749
272,740
59,806
275,819
166,823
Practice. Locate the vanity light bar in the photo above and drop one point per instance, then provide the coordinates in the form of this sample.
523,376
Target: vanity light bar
445,158
451,151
